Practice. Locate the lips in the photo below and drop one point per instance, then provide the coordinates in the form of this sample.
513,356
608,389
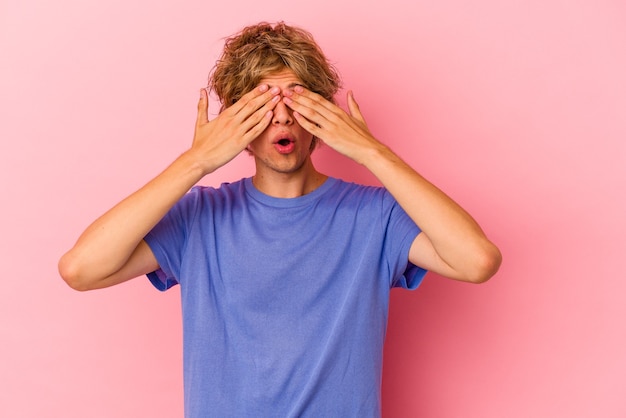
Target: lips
284,145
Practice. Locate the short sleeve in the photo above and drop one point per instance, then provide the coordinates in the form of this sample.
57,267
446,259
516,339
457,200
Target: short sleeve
400,233
168,239
412,277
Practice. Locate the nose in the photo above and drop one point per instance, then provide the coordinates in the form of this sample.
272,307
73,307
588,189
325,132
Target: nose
282,114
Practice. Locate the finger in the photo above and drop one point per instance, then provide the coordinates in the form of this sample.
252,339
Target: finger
235,107
260,114
353,107
311,99
256,129
308,125
315,107
253,101
203,108
309,110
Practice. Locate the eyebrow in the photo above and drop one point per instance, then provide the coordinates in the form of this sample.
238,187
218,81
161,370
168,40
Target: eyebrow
291,85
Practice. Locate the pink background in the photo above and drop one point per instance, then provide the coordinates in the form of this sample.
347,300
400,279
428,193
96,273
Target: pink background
517,109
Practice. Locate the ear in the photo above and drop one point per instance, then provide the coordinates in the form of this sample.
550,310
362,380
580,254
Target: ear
315,143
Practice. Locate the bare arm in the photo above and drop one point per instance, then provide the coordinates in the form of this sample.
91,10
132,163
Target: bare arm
111,250
451,243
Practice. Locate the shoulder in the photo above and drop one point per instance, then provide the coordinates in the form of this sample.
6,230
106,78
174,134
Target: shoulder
226,191
355,190
360,193
365,200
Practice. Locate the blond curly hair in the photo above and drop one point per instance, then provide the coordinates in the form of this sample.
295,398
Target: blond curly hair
263,49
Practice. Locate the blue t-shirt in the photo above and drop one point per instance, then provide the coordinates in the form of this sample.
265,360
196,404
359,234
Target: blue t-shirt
284,300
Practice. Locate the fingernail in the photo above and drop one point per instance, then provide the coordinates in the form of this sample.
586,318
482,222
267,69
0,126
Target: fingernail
263,87
298,89
275,98
275,90
287,100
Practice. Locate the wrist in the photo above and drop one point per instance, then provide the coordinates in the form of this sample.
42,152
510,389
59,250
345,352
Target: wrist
188,165
376,155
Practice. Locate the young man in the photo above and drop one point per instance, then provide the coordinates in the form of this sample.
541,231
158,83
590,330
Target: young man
285,276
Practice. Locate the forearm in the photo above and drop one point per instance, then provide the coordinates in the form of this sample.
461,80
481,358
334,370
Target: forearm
455,244
455,236
109,251
106,245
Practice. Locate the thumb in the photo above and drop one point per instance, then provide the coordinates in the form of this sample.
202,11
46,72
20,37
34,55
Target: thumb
203,108
353,106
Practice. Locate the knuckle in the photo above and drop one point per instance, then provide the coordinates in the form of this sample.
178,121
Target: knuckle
251,105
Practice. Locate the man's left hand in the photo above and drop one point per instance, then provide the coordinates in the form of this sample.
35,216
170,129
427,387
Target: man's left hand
346,133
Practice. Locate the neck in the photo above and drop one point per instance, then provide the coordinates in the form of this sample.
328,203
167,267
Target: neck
288,185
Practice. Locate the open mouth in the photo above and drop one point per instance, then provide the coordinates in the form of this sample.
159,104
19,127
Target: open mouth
284,145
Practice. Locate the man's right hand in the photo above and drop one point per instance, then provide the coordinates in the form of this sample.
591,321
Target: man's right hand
111,250
218,141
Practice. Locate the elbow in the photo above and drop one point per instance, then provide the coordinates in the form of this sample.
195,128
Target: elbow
486,264
70,273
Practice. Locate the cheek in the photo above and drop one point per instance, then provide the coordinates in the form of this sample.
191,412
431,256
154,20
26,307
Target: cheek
303,134
255,145
259,140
